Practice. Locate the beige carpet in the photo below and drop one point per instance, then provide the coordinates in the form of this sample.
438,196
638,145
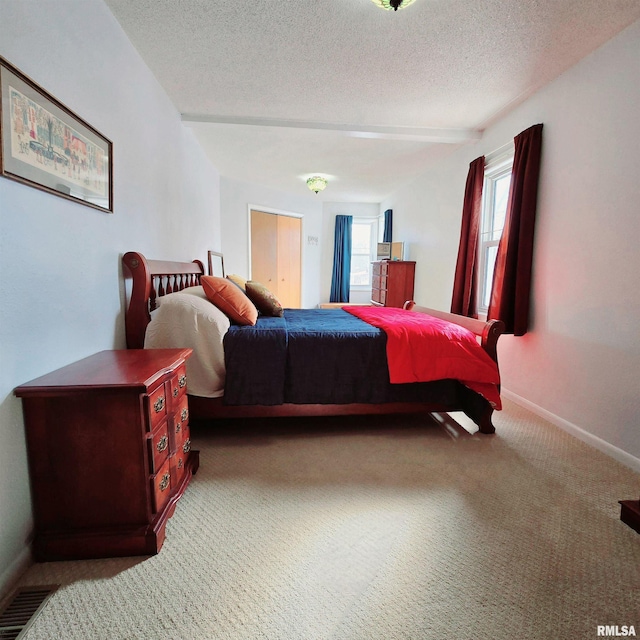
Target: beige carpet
367,529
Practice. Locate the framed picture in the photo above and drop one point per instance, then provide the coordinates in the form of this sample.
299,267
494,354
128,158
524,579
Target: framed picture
216,264
47,146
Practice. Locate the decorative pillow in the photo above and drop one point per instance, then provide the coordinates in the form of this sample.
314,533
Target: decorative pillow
238,280
229,299
265,301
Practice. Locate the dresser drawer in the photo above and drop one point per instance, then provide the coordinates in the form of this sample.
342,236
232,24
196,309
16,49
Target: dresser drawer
161,487
179,382
185,444
384,268
157,406
158,447
179,460
181,419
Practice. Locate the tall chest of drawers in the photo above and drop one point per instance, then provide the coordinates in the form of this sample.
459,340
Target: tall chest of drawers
109,451
392,282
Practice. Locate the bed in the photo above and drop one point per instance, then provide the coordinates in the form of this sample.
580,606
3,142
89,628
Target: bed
155,287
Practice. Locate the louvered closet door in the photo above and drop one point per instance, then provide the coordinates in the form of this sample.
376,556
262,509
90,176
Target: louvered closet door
276,255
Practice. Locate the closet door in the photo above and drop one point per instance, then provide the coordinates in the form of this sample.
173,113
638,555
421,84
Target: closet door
276,255
289,235
264,249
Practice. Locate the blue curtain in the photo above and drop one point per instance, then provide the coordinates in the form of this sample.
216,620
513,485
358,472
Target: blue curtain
341,260
388,225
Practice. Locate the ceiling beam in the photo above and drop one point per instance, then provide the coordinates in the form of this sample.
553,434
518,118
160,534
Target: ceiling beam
420,134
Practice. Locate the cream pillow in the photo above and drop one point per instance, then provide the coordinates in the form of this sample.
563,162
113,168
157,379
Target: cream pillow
187,319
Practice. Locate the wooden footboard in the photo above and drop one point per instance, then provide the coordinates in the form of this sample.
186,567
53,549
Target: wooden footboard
147,280
473,405
488,331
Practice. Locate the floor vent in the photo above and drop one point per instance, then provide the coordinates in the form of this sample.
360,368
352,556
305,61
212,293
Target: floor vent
23,607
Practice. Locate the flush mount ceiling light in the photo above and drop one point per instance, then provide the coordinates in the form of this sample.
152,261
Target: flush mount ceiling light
393,4
316,183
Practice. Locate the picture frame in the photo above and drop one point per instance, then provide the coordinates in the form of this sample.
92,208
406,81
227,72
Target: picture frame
45,145
216,264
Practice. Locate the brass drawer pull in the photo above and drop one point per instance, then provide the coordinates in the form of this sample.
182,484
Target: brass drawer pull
164,483
176,391
158,405
178,427
184,415
186,447
162,444
180,463
182,382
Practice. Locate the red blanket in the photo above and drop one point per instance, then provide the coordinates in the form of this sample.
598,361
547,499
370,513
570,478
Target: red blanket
421,348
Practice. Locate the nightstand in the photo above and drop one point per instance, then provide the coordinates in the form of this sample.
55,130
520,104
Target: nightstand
109,452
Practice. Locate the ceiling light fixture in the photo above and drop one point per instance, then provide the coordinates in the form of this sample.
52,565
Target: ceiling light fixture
393,4
316,183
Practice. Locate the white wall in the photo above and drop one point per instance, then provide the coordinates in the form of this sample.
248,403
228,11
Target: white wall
581,361
60,261
235,199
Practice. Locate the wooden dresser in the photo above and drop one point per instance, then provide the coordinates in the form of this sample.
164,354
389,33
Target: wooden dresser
392,282
109,452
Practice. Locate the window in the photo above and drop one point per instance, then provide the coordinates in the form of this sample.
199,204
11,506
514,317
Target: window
497,180
364,239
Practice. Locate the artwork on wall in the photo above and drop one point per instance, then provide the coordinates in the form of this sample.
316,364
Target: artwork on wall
45,145
216,264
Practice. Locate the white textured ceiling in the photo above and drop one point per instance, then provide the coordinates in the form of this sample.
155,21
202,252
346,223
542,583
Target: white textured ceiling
277,91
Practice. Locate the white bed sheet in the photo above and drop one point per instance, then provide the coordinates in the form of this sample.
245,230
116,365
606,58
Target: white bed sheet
188,319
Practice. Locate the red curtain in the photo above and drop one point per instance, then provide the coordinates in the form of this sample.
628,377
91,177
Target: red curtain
464,285
512,274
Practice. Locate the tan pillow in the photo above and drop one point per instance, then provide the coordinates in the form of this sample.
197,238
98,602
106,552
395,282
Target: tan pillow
265,301
238,280
229,299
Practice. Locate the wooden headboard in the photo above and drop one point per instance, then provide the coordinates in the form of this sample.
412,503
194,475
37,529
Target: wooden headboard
145,282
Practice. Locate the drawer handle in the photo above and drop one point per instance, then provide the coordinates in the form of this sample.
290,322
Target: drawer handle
182,382
164,483
178,427
186,447
180,463
176,391
158,405
162,444
184,415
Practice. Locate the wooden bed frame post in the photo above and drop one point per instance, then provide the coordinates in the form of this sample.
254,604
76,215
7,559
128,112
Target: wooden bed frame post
138,277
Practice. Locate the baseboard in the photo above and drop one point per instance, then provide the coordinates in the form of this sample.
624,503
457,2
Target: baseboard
598,443
14,571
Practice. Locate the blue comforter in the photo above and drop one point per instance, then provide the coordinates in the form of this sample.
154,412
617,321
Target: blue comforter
315,356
